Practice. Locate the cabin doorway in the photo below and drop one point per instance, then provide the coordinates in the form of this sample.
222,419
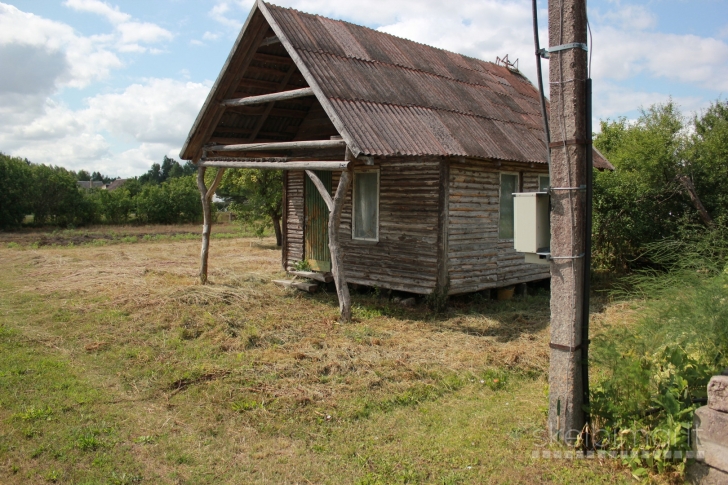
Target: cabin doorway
316,233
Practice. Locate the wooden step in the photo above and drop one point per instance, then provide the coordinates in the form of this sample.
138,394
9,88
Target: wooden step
300,285
323,277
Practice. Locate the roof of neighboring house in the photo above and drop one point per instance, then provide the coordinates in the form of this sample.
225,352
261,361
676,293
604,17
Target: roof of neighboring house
90,184
391,96
115,184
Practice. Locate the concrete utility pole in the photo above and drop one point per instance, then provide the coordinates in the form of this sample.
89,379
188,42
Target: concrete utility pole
567,74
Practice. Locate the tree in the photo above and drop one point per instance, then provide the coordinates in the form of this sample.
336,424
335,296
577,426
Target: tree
82,176
256,196
174,201
707,156
665,180
56,198
15,186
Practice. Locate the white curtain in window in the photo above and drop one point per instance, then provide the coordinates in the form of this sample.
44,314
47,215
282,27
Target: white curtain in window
509,185
366,205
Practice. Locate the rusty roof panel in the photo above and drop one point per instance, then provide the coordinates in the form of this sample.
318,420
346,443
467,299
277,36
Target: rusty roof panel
398,97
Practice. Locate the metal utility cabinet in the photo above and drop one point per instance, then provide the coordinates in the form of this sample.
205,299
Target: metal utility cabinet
532,229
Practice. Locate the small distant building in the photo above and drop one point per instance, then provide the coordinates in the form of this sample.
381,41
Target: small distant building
116,184
91,184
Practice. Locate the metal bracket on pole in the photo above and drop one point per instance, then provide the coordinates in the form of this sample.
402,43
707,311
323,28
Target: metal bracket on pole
573,45
581,187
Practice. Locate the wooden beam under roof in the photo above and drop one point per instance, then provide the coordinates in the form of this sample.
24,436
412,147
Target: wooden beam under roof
311,165
259,56
268,98
259,109
262,119
270,41
282,145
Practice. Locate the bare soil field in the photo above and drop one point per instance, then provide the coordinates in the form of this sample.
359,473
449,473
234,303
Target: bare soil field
116,367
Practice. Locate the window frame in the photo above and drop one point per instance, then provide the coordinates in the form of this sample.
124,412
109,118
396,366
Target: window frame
542,176
500,192
353,203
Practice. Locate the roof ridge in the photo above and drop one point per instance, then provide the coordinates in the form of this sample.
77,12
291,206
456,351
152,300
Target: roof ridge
414,69
518,73
434,108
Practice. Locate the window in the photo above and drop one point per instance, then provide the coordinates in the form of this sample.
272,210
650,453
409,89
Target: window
365,220
508,185
543,183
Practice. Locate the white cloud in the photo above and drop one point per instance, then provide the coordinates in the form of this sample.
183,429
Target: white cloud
689,59
112,14
628,17
53,52
129,34
612,100
153,117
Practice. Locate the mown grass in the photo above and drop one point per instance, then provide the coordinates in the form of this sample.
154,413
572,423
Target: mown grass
116,368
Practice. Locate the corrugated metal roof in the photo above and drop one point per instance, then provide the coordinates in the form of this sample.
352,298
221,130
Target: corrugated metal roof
398,97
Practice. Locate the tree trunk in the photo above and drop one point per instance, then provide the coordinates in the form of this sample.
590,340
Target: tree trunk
277,229
337,258
206,224
697,203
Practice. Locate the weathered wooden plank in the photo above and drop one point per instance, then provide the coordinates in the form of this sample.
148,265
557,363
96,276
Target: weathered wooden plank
285,145
300,285
313,165
268,98
322,277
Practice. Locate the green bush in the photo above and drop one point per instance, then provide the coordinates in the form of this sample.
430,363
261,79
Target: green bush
175,201
651,377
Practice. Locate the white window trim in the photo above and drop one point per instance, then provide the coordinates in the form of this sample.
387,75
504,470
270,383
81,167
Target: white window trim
541,176
353,205
500,190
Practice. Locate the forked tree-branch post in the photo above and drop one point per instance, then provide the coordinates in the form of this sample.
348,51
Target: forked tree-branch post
206,198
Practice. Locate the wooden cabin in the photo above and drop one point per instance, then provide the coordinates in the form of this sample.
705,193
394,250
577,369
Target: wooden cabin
435,144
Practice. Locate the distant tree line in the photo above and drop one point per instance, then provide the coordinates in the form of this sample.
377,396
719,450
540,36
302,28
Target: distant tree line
166,194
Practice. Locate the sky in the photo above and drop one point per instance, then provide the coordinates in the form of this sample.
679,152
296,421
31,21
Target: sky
114,86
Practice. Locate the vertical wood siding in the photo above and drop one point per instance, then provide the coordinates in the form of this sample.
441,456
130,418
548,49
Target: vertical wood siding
477,259
294,217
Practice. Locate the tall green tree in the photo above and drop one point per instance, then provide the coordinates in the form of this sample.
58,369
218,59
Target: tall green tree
256,197
16,182
663,184
57,199
707,158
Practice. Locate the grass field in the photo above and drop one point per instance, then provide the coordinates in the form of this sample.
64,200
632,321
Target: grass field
115,367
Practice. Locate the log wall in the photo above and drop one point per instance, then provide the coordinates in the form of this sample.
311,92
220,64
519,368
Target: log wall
477,258
405,258
406,255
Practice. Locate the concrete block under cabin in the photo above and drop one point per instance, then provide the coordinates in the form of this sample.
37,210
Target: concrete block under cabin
718,395
710,437
306,286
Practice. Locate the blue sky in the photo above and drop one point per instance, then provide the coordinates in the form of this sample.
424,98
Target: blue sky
115,85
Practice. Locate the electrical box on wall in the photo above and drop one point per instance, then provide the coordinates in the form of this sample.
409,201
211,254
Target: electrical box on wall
532,226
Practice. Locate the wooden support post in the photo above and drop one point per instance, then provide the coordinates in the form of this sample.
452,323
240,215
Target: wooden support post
335,206
206,223
206,198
